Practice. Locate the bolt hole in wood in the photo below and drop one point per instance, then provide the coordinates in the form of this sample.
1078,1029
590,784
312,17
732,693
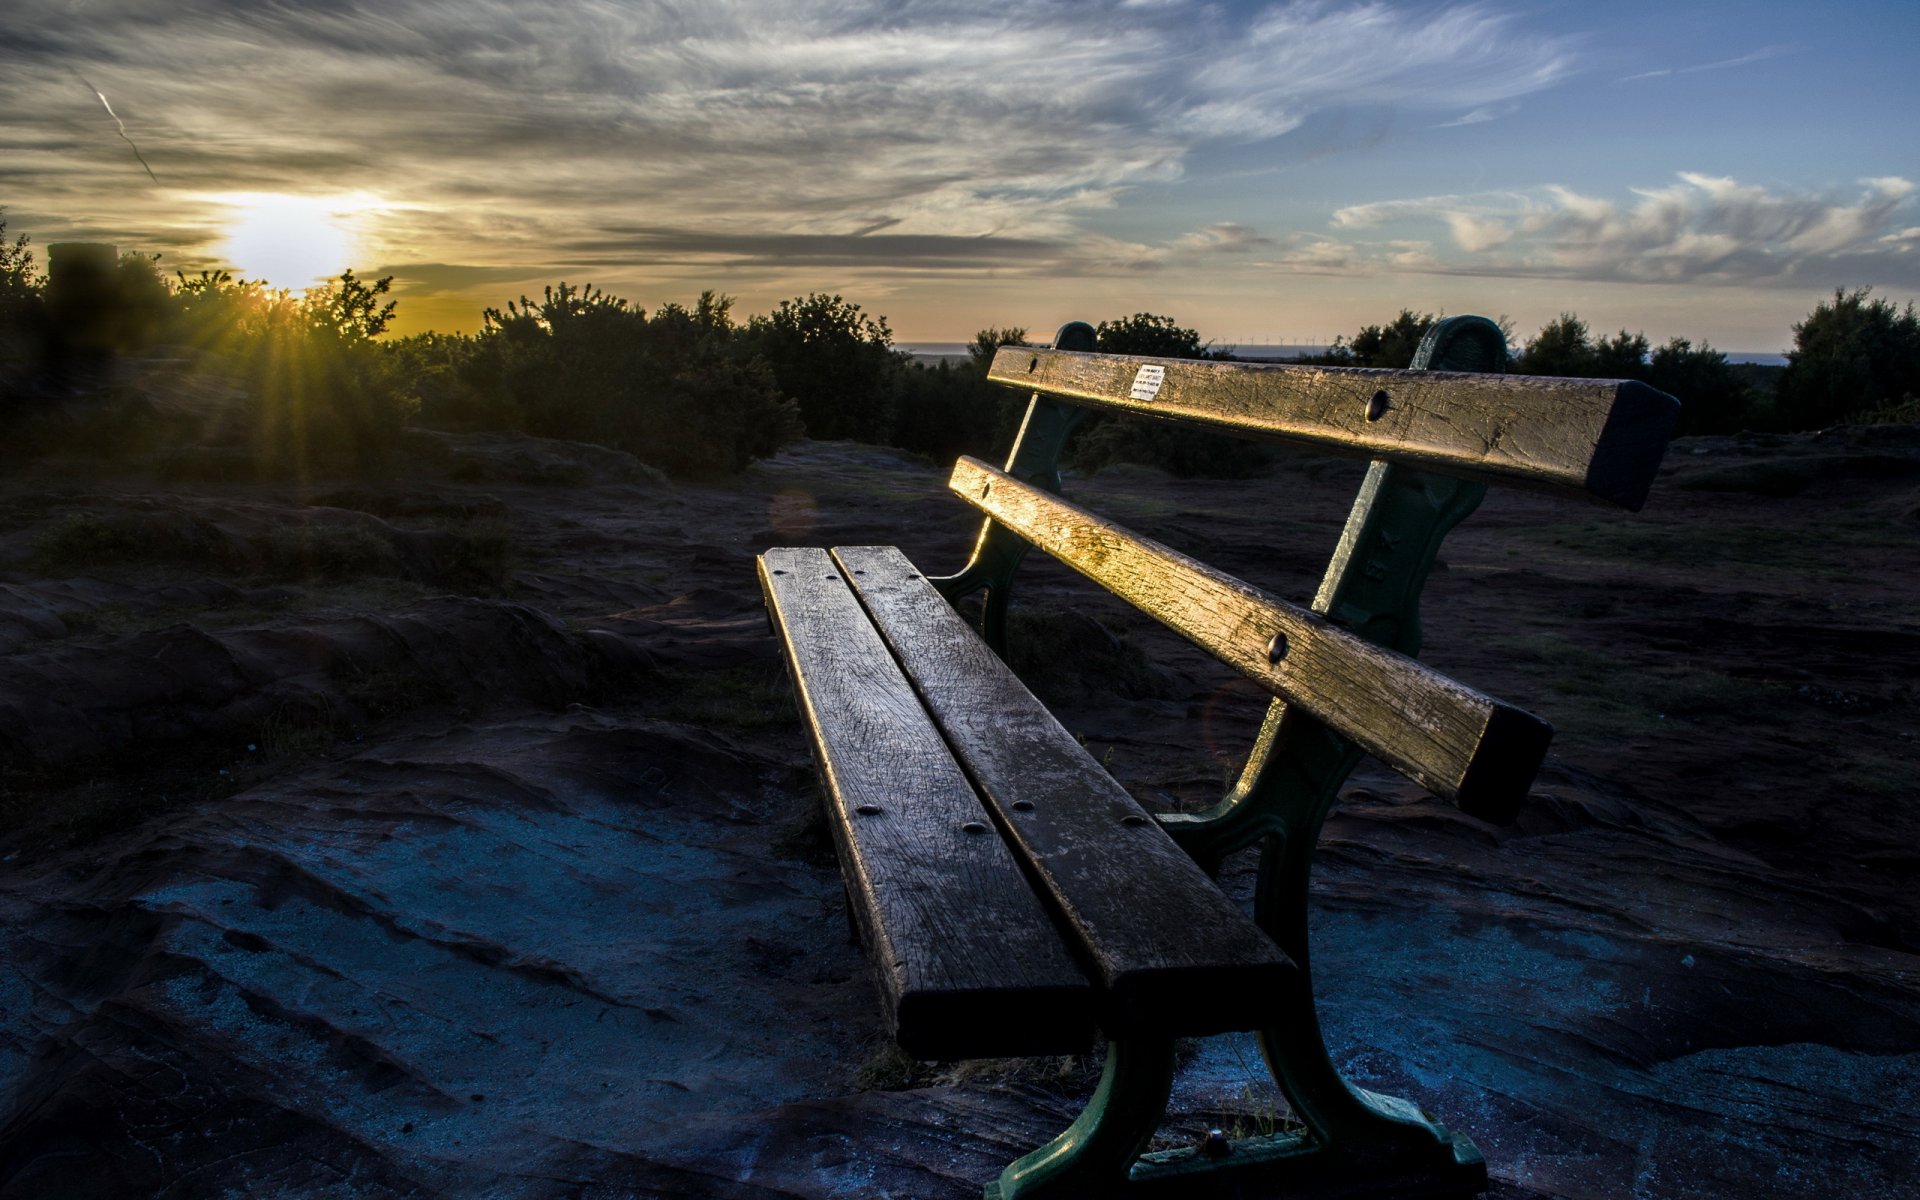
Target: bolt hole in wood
1133,819
1277,648
1032,364
974,827
869,810
1378,404
1023,806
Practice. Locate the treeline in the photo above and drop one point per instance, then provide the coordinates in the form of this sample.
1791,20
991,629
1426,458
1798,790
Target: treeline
698,393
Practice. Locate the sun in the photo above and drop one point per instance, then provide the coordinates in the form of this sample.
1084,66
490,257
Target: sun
290,241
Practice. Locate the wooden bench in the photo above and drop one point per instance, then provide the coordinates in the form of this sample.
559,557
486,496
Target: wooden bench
1016,900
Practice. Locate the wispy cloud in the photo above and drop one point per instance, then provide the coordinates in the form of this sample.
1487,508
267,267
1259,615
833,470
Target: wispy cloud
1761,55
944,133
1703,229
1223,237
1479,116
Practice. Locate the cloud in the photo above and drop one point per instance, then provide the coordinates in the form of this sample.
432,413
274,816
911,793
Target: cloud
503,132
435,279
1761,55
1479,116
1702,229
1223,237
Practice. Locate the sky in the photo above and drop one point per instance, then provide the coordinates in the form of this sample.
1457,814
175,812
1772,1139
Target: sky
1263,172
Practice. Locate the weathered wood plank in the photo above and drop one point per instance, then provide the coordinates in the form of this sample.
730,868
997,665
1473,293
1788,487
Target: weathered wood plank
969,962
1173,954
1596,437
1461,744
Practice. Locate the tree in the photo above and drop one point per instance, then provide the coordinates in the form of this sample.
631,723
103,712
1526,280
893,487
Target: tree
835,362
988,341
1391,345
1104,439
16,263
1622,356
350,308
1713,397
1849,356
23,312
677,390
1562,347
1149,335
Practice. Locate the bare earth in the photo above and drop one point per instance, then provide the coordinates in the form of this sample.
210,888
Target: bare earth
338,859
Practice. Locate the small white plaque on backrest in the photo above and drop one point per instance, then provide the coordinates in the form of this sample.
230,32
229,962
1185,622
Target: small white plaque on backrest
1146,383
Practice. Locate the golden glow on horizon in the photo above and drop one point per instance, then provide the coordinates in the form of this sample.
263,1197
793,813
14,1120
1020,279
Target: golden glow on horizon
293,242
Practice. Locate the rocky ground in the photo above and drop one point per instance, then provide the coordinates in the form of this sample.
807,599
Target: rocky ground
449,833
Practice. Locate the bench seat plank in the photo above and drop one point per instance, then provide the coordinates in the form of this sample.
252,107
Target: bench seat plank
969,962
1172,954
1601,438
1455,741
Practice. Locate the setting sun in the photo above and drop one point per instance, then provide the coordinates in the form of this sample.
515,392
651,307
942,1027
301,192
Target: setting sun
290,241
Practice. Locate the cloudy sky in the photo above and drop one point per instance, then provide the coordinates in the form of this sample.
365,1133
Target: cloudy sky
1263,171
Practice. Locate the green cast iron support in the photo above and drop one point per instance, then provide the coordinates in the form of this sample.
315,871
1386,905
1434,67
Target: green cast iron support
1290,783
1035,459
1097,1152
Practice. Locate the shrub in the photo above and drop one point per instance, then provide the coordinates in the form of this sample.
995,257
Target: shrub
987,342
944,411
84,540
1850,356
23,318
1182,450
835,362
323,394
678,391
1714,397
330,552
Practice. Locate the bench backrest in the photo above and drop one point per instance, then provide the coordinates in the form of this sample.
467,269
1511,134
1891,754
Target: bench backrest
1435,436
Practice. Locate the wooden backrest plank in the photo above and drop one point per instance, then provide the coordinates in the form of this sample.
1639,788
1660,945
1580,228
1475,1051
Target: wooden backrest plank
1171,952
969,961
1601,438
1458,743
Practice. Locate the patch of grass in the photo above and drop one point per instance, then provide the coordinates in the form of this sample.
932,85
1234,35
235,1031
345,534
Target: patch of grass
295,733
391,692
481,551
330,552
1820,549
82,802
1865,770
1064,656
1612,695
891,1069
748,696
84,540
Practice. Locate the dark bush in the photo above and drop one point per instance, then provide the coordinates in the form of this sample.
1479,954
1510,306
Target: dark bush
1179,449
944,411
1851,356
680,391
835,362
1714,397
